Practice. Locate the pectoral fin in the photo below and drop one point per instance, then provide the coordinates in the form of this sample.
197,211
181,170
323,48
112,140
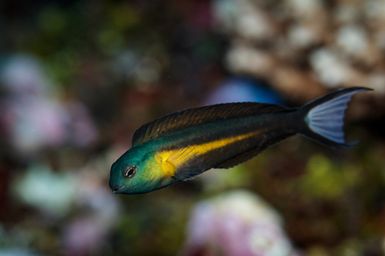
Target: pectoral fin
168,168
180,159
172,160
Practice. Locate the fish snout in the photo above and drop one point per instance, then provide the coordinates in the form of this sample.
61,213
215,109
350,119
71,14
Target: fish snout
115,187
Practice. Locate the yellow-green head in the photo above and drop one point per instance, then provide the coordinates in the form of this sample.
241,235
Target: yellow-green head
136,171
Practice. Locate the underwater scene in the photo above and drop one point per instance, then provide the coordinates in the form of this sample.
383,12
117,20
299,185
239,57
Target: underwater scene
192,128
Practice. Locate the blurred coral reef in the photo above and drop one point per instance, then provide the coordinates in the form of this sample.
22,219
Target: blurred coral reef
78,77
300,46
237,223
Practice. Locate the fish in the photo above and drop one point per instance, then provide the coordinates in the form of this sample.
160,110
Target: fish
182,145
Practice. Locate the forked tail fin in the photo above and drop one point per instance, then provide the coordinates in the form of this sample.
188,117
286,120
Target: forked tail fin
324,117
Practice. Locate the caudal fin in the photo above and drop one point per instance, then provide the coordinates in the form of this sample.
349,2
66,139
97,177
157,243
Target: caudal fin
324,117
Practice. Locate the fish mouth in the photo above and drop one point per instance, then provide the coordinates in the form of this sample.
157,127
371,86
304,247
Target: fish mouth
117,190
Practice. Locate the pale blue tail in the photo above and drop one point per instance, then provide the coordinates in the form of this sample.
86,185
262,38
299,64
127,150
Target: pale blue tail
324,117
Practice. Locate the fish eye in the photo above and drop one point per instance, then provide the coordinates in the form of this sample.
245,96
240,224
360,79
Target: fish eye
129,172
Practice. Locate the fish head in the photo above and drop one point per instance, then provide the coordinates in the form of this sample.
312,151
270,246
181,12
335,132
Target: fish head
135,172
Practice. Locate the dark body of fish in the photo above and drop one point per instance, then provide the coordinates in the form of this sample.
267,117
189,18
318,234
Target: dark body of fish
184,144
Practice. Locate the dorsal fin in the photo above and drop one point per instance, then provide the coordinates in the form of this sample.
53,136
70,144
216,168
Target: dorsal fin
199,115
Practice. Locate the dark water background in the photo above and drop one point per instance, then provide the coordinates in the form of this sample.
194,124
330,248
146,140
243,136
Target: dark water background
78,77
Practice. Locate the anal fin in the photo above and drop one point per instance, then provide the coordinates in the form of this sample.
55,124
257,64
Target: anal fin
240,158
266,141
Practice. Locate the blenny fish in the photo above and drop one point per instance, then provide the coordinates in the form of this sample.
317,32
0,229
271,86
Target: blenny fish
181,145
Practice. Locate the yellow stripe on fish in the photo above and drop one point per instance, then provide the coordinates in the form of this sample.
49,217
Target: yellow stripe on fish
171,160
184,144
